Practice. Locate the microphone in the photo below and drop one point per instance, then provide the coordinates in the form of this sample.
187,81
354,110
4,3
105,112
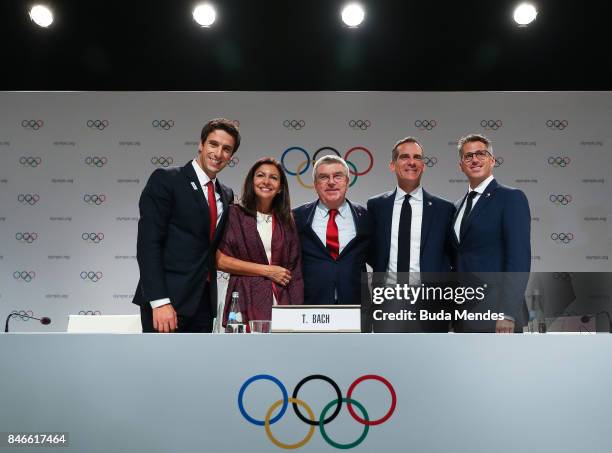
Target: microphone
587,318
45,321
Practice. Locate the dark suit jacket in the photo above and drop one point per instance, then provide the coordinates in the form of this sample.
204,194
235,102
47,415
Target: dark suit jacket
322,274
435,232
174,252
497,238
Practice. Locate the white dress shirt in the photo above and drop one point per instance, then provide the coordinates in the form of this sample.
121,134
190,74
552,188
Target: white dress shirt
264,228
416,204
344,221
203,180
480,188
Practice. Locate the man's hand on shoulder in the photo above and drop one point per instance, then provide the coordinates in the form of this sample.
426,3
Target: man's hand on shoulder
164,319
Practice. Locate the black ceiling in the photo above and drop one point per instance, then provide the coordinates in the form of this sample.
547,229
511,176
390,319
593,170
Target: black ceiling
301,45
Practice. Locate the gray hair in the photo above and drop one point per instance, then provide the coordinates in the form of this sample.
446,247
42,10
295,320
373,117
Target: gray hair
395,152
474,138
329,159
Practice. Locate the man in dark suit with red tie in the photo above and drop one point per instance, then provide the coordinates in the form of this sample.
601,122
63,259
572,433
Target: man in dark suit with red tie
334,234
182,214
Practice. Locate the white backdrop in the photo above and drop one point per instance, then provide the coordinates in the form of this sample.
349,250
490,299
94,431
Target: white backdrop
73,165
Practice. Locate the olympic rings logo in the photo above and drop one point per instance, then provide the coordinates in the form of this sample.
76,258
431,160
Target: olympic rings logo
97,124
491,124
26,237
32,124
562,276
95,161
163,124
560,199
425,125
295,125
559,161
359,124
91,276
23,314
234,161
222,276
162,161
557,124
305,164
94,198
90,312
498,162
29,198
565,238
430,161
322,420
30,161
96,238
26,276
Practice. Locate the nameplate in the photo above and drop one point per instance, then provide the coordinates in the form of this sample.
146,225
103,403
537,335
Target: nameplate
316,318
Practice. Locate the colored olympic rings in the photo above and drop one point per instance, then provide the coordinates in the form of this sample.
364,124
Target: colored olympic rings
305,164
430,161
498,161
90,312
93,237
311,420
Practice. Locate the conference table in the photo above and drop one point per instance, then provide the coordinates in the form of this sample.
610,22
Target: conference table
400,392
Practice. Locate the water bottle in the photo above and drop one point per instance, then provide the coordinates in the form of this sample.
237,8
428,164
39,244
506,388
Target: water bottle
234,319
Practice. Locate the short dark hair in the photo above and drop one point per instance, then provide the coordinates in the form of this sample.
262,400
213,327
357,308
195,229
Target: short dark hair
473,138
409,139
229,126
281,205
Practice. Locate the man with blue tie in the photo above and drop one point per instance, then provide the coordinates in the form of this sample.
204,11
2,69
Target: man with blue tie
411,230
334,235
491,234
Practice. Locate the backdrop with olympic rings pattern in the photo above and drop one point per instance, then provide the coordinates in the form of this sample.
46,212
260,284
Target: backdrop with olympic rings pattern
73,165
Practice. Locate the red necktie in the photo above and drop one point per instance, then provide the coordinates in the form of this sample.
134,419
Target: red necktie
212,208
332,242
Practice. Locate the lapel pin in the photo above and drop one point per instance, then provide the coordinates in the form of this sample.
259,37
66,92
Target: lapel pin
194,186
488,194
429,203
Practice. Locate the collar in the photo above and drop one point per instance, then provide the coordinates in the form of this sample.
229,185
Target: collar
343,210
202,177
480,188
417,193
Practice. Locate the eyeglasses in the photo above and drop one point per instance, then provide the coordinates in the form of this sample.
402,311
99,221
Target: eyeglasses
480,155
336,177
